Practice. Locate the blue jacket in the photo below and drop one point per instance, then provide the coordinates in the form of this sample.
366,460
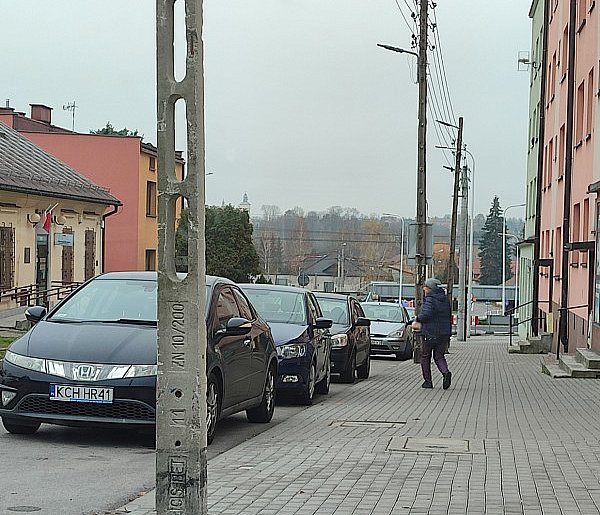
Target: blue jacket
435,314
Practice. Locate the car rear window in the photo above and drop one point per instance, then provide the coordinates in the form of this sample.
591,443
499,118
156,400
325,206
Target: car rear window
278,306
335,309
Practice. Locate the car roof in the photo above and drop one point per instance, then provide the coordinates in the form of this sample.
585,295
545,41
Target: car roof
211,280
372,303
271,287
340,296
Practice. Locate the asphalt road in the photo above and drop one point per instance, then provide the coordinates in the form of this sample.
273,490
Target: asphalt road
69,471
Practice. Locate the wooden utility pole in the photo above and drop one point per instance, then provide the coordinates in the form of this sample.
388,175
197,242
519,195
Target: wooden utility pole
181,486
457,171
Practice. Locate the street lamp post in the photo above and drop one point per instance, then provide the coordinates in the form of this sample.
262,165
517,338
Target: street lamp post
400,278
504,256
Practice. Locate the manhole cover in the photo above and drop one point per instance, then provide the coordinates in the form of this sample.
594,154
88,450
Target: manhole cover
24,509
382,424
436,445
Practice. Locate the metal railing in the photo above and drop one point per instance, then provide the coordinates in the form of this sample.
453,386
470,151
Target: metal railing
541,316
32,294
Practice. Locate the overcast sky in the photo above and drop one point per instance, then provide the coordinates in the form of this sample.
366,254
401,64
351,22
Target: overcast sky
302,108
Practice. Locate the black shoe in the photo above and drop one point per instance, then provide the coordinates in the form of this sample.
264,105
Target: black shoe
447,380
427,384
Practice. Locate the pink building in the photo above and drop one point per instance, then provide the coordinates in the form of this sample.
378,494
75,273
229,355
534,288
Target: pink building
123,164
566,242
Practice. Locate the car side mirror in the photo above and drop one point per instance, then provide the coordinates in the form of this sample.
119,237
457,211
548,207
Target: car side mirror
362,322
323,323
35,313
236,326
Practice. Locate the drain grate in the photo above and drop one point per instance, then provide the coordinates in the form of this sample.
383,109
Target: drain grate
380,424
436,445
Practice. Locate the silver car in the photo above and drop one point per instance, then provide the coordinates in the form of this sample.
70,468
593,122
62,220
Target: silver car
391,333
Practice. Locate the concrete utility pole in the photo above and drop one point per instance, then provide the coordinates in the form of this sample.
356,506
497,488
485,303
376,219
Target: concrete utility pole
457,172
181,379
421,218
463,258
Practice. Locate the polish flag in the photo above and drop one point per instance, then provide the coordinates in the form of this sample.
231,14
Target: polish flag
46,220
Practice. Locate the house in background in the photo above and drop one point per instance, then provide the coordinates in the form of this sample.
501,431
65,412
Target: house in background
124,164
40,248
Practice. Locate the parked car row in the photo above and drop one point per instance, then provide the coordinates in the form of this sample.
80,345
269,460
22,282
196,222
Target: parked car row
91,360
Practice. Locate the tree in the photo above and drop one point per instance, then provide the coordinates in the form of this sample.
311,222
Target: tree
229,249
109,130
490,247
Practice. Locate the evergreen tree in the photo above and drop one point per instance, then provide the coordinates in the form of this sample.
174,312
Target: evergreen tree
109,130
229,249
490,247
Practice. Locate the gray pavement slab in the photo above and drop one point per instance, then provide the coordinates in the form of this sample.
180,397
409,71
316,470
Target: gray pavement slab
505,438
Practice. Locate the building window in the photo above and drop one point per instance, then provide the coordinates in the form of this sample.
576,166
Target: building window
579,114
561,151
7,258
151,259
590,104
151,199
152,165
565,53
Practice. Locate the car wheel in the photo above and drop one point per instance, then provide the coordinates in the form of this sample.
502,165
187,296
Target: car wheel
20,428
323,384
365,369
349,373
408,353
307,396
263,413
213,407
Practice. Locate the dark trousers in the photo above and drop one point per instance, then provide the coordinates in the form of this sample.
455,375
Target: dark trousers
437,347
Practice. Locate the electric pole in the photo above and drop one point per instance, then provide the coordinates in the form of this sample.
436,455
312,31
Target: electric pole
421,218
463,258
452,252
181,464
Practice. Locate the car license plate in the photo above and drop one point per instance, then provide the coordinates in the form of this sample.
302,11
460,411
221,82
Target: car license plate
77,393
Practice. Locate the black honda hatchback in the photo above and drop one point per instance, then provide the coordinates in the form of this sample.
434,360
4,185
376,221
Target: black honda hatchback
91,360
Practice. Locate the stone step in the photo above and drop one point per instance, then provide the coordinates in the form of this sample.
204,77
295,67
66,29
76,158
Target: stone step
514,349
570,365
554,371
588,358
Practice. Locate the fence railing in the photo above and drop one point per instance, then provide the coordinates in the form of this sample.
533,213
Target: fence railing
32,294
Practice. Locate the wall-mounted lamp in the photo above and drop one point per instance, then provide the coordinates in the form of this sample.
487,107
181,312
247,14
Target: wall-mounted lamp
60,220
33,218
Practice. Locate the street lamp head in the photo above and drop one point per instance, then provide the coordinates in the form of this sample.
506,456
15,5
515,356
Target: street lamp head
397,49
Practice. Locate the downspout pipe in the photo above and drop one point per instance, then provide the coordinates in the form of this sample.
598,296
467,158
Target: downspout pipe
564,297
104,217
535,324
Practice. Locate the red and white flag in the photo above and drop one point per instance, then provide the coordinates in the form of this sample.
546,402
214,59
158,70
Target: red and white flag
46,219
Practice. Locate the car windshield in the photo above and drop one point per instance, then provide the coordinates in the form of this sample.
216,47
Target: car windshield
382,312
110,300
278,306
335,309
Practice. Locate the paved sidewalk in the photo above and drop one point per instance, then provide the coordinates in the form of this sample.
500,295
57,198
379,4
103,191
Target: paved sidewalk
504,439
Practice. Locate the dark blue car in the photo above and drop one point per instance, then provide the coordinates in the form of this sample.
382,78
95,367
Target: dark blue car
301,337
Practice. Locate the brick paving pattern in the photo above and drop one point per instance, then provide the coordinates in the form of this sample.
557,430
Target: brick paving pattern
504,439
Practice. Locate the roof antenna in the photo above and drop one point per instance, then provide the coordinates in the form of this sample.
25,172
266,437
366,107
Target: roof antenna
71,106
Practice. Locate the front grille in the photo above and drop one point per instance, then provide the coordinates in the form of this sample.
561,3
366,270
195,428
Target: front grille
121,409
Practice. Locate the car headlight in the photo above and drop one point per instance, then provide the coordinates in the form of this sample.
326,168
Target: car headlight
37,364
396,334
292,350
141,371
339,340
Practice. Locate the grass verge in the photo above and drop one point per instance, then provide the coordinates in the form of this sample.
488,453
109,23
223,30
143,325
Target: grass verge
5,341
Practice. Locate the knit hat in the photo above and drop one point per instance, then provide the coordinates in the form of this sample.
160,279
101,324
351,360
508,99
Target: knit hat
432,283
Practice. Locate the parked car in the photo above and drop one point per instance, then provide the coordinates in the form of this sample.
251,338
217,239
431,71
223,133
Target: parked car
91,360
301,336
351,341
391,332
